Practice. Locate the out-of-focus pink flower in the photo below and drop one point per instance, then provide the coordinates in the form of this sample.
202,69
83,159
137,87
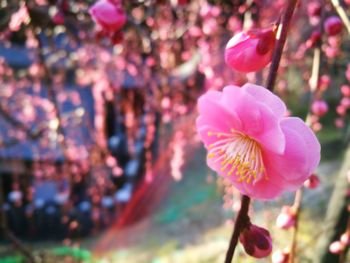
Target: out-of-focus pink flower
316,127
347,72
251,142
345,90
345,102
250,51
280,257
325,80
58,18
19,18
286,219
179,2
110,16
314,9
341,110
319,107
313,39
345,239
339,123
331,52
336,247
333,25
312,182
256,241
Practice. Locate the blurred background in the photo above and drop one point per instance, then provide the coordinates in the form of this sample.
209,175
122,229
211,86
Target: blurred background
99,157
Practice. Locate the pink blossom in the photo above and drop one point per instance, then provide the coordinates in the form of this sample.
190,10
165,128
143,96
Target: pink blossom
109,16
345,90
347,72
345,102
336,247
312,182
341,110
325,80
313,39
286,219
314,9
319,107
339,122
333,25
250,51
251,142
345,239
256,241
58,18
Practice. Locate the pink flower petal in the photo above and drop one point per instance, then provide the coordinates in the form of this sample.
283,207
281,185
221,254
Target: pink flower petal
266,97
214,114
293,164
313,147
258,121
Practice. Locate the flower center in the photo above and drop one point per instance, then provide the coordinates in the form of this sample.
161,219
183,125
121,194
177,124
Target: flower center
238,153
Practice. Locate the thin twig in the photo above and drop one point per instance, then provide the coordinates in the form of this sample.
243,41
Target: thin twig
241,222
281,40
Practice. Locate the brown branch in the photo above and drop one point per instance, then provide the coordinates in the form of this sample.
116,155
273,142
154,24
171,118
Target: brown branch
281,40
240,224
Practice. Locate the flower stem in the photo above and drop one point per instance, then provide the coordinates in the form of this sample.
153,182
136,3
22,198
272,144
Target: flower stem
281,40
297,206
241,222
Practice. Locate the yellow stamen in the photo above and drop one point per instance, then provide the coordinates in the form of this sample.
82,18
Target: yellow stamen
238,153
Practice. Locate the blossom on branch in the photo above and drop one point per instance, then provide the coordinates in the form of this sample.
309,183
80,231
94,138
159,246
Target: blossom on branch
251,142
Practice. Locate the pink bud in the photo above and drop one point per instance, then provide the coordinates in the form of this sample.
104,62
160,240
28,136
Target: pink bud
58,18
286,218
314,38
345,90
280,257
341,110
312,182
256,241
347,72
345,239
325,80
250,51
336,247
319,107
339,123
314,9
333,25
316,127
108,15
345,102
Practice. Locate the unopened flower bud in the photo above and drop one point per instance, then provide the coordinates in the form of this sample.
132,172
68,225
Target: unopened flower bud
250,51
286,218
333,25
256,241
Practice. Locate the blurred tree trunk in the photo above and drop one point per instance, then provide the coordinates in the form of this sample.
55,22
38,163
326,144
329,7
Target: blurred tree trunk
337,215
